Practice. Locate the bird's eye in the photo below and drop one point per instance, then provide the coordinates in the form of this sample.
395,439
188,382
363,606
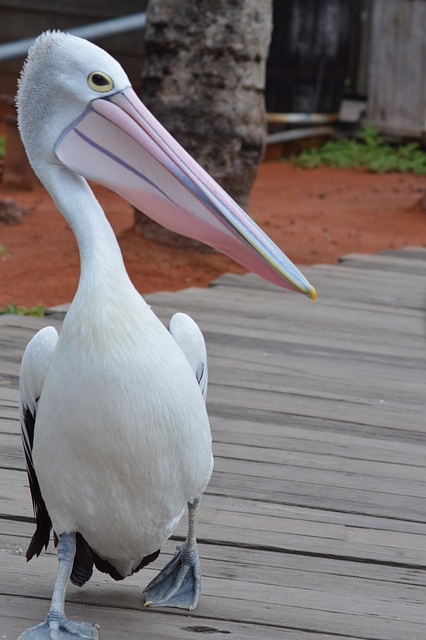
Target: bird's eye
99,81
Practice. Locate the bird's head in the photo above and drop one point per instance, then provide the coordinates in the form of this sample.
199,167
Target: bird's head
58,82
76,109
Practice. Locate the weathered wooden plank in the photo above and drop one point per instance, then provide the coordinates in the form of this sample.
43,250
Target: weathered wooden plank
315,532
283,483
229,454
289,567
355,373
284,366
315,516
116,622
365,411
316,598
8,417
271,526
9,394
294,564
374,287
305,494
326,474
11,452
357,335
416,253
384,262
381,407
323,325
326,324
155,625
324,469
282,475
304,434
314,435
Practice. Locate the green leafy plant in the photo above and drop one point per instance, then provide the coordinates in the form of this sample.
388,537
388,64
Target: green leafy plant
2,146
38,310
367,150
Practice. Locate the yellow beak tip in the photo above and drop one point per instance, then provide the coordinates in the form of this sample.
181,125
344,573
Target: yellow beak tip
312,293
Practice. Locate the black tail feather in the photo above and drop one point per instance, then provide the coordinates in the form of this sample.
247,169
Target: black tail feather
85,558
83,562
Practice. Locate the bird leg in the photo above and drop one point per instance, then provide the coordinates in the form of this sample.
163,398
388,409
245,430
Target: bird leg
179,583
57,626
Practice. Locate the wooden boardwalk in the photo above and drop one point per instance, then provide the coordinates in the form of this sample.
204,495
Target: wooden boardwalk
314,524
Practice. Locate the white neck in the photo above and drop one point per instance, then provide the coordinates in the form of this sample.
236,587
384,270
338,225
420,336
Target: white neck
100,255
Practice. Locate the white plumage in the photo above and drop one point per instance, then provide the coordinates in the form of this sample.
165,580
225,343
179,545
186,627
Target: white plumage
125,432
114,423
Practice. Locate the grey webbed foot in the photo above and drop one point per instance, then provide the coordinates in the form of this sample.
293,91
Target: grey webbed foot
60,628
179,583
57,626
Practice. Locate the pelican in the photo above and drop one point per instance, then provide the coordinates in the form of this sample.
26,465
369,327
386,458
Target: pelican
114,423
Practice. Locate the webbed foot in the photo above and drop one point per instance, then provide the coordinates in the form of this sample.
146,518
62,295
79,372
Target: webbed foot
179,583
58,627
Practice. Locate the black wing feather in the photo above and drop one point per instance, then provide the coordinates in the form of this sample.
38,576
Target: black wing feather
41,536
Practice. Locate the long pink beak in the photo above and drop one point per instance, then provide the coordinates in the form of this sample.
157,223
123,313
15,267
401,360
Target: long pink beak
118,143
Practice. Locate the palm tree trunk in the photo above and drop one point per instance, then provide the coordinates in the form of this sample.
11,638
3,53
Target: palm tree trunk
204,80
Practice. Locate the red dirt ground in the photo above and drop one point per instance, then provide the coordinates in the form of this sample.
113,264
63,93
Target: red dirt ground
313,215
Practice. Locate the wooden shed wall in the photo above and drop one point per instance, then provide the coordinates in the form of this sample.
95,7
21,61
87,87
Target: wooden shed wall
26,18
397,78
